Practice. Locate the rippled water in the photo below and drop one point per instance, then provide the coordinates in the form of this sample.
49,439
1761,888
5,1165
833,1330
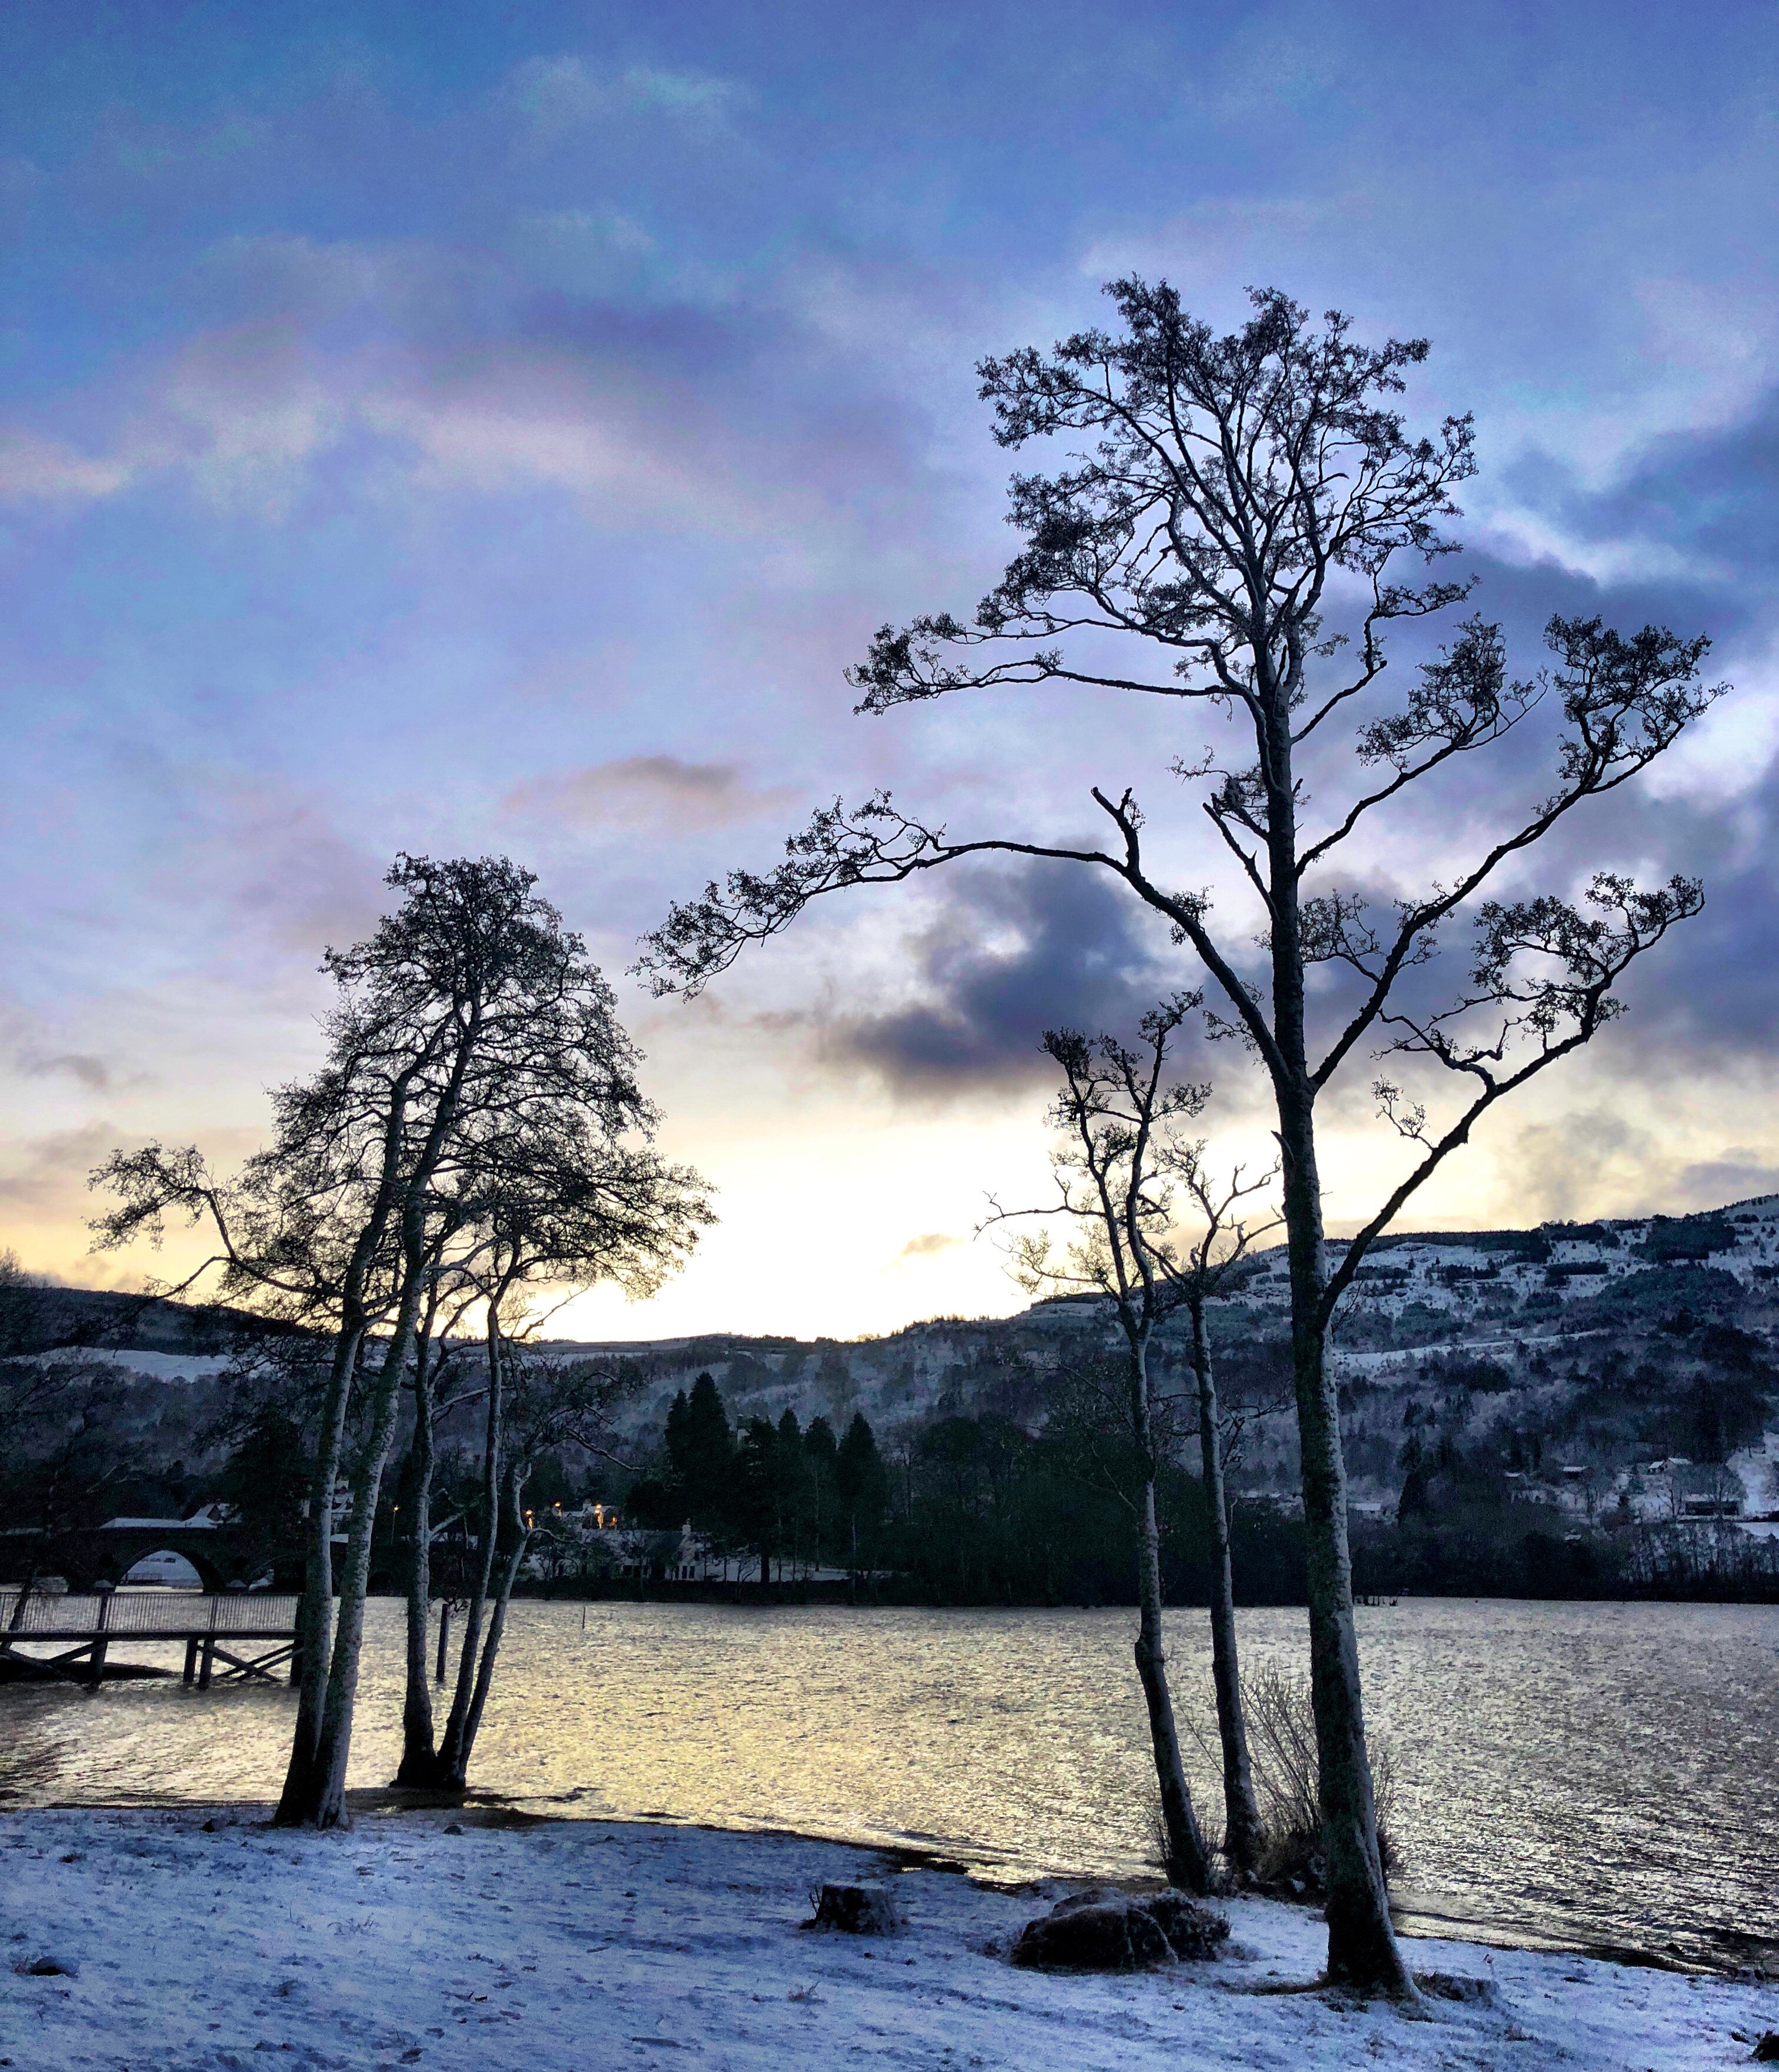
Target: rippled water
1577,1774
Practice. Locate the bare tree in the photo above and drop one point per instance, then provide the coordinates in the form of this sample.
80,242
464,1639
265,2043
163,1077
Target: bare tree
442,1380
534,1406
1239,495
1118,1171
305,1231
565,1194
1198,1270
469,1006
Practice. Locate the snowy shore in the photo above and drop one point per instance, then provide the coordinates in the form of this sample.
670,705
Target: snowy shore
138,1942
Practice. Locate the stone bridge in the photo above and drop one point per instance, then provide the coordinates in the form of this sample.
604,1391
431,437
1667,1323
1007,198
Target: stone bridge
221,1553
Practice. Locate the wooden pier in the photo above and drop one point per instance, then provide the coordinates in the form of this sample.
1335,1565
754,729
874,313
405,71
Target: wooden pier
85,1626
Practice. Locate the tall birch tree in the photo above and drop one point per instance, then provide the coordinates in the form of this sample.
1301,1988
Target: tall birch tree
567,1194
534,1406
1247,519
1120,1167
469,1007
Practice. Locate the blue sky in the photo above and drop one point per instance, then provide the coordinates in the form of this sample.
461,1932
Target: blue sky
463,428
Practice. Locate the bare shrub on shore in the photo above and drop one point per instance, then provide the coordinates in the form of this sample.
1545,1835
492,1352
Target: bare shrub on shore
1282,1737
1280,1726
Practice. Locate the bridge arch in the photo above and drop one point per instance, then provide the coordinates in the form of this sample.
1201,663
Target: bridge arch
106,1554
170,1567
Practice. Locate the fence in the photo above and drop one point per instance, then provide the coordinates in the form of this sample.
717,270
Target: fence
85,1625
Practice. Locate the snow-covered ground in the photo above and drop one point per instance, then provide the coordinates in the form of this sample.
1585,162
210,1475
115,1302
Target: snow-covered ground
163,1367
552,1946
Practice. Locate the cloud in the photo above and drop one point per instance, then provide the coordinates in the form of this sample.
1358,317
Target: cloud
532,421
1009,956
35,1047
48,1175
1594,1161
245,416
1738,1173
239,414
1686,534
659,792
670,416
92,1072
1697,510
559,99
582,251
1565,1169
44,471
269,866
929,1245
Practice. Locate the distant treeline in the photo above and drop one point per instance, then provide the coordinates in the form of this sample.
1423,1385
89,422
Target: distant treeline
975,1505
978,1510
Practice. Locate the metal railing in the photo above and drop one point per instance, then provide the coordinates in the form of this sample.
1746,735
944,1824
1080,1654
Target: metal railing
147,1615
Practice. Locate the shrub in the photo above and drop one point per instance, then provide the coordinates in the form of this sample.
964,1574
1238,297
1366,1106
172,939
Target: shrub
1282,1748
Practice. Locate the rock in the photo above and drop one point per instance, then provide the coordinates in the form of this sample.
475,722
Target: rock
1450,1986
854,1909
47,1967
455,1828
1766,2051
1096,1931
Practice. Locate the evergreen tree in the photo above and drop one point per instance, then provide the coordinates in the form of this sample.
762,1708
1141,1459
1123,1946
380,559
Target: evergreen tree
701,1451
861,1486
791,1484
678,1410
757,1491
821,1452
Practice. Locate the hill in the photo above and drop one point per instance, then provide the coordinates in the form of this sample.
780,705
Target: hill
1626,1361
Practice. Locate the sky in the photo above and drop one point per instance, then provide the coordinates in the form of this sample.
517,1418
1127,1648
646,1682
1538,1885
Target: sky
468,430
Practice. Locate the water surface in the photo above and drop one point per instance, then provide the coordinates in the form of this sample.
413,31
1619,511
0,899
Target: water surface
1582,1775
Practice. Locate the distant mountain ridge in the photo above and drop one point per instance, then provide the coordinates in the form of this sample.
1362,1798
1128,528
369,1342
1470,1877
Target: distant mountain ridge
1594,1337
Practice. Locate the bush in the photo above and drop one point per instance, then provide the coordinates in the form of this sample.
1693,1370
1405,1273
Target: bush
1282,1748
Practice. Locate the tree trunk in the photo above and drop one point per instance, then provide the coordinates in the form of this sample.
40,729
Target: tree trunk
419,1757
314,1614
1189,1859
314,1788
1242,1829
327,1797
1362,1948
497,1620
320,1800
453,1753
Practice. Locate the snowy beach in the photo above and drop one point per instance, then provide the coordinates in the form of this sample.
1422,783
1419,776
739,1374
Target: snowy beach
143,1941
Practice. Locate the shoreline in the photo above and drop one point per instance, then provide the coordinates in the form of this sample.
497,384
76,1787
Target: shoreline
1531,1747
485,1809
541,1939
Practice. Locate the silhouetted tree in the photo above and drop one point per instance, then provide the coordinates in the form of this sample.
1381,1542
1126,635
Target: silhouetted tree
821,1454
701,1453
255,1482
535,1405
444,1378
861,1484
758,1492
1237,493
468,1008
1121,1164
557,1190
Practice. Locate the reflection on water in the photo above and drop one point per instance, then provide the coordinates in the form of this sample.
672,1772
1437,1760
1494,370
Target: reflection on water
1592,1773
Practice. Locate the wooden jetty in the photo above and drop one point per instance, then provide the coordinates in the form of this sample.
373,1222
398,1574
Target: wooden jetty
84,1625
